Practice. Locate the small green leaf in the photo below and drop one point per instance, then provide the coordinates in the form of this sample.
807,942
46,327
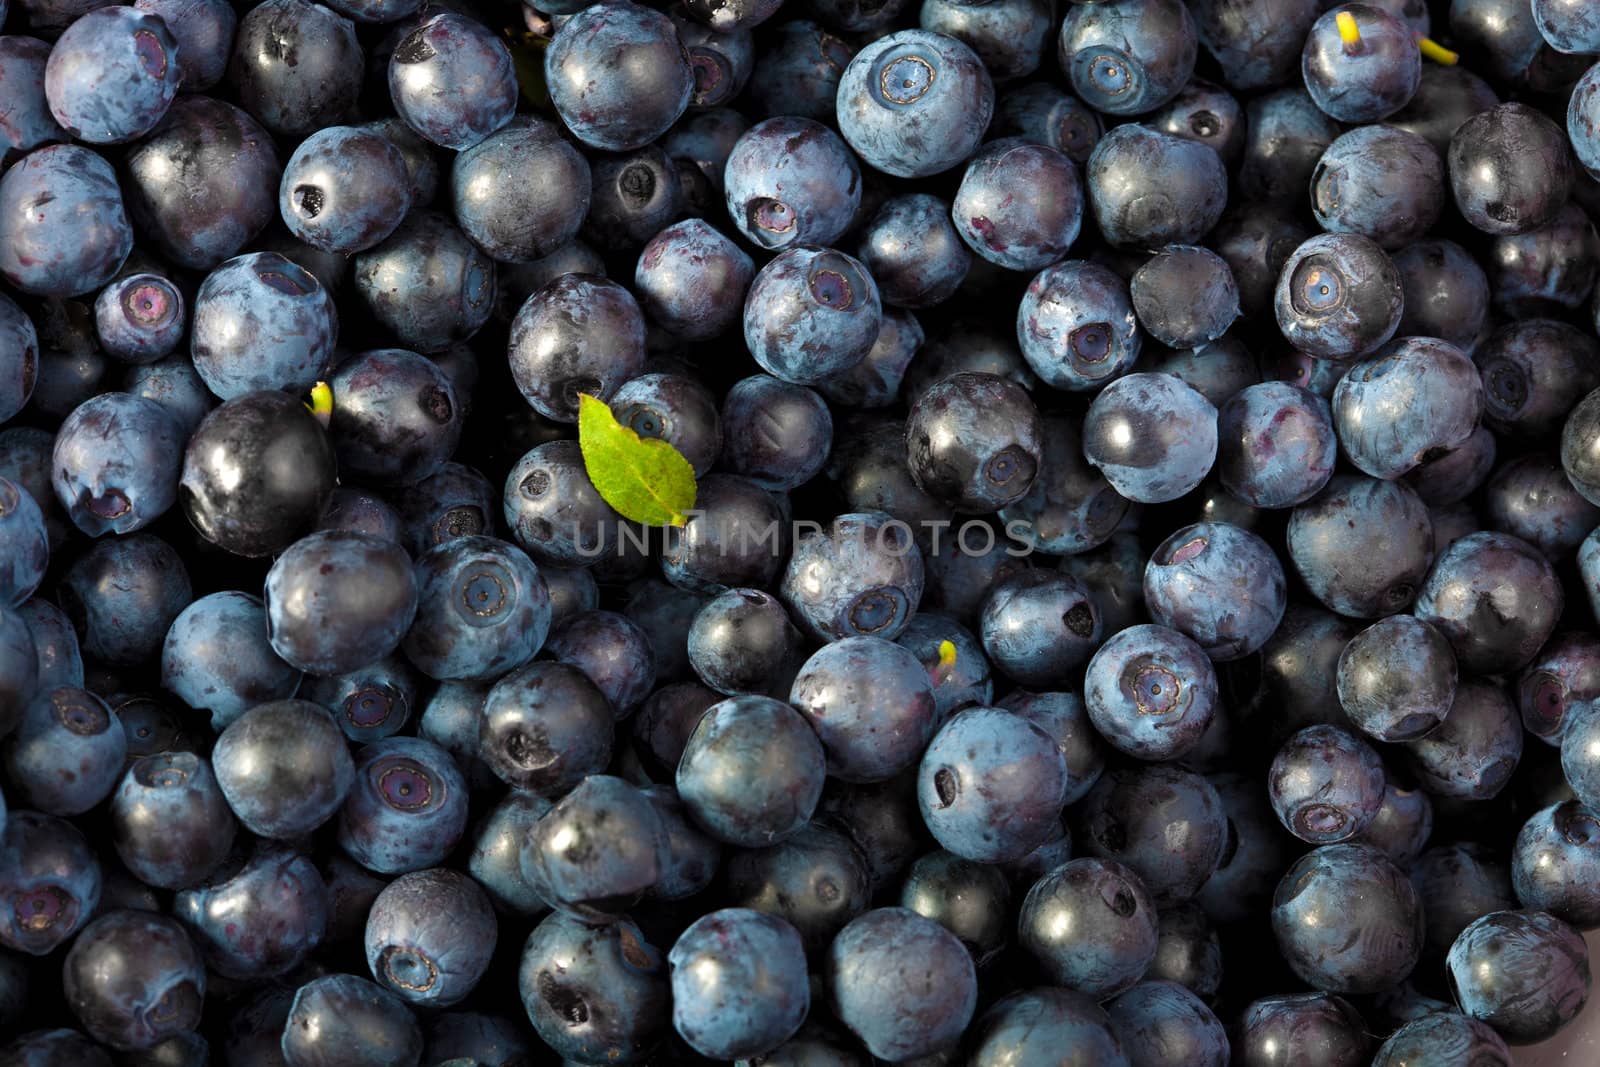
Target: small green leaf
645,479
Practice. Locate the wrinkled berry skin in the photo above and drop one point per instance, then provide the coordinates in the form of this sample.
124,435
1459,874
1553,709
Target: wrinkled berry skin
139,318
28,122
341,1020
545,728
1185,296
1347,920
339,601
1363,546
1076,326
1510,169
1046,1025
296,66
871,703
482,609
863,575
901,983
133,979
1026,232
1442,1037
258,918
1151,692
914,103
1039,628
27,541
284,768
344,190
1153,436
1446,294
1526,973
692,280
1128,57
1276,446
51,879
1491,568
1218,584
1162,1022
452,81
1369,82
598,850
791,181
262,322
1555,864
739,986
1566,671
1149,188
204,182
217,658
123,595
63,228
596,993
579,334
66,754
913,251
1326,785
974,442
618,75
169,821
978,813
407,807
1570,26
1303,1028
1397,679
1090,925
752,771
427,284
112,75
1380,182
555,512
513,220
429,937
1338,297
810,314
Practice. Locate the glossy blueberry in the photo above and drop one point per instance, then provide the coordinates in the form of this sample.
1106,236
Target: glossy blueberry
429,937
1326,785
613,651
1070,508
1090,925
791,181
1161,1023
1038,628
262,322
633,196
911,248
496,857
1045,1025
513,220
598,850
1287,135
1148,189
1257,43
1440,1037
452,81
1568,26
798,71
578,335
1303,1028
1151,692
595,992
1553,864
1547,270
903,984
296,65
869,468
739,985
66,753
1580,751
284,768
692,280
482,609
962,685
1446,294
139,318
171,825
1206,113
720,59
1188,952
915,103
717,780
1041,113
115,463
28,122
1011,37
1563,674
1076,326
133,979
1276,445
728,540
337,601
1525,973
693,859
1164,823
1347,920
743,641
1363,546
112,75
122,596
974,442
1532,498
51,883
1583,121
618,76
1185,296
343,1020
1218,584
1485,568
676,409
369,703
396,417
1379,182
427,284
63,229
1339,297
257,917
1020,204
1457,884
217,657
1446,97
1128,56
1365,81
811,313
662,726
407,807
1397,679
863,575
203,30
1153,436
1509,169
971,900
344,189
554,511
1064,718
204,182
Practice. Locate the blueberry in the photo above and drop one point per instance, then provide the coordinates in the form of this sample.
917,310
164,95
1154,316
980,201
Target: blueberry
633,196
344,189
1365,81
262,322
558,351
406,809
1185,296
1583,121
1326,785
1578,752
693,859
1485,568
1303,1028
798,71
1547,270
743,732
22,527
915,103
811,313
1276,445
869,468
730,540
369,703
1444,1033
739,986
1020,204
692,280
1188,952
396,417
1206,113
676,409
1128,56
204,182
63,228
1218,584
598,850
1041,113
259,917
720,59
1446,295
482,609
52,880
967,682
1046,1024
1038,628
1149,189
139,318
971,900
613,651
1153,436
1563,674
496,857
66,753
974,442
1076,326
1532,498
862,575
339,601
1071,507
430,936
618,76
170,823
1151,692
1363,546
1525,973
1509,169
29,123
1553,861
1257,43
554,511
902,983
1397,679
134,979
1339,297
296,65
217,657
743,641
1459,883
1286,136
284,768
1568,26
1347,920
427,284
911,248
55,1048
791,181
595,992
1090,925
123,595
487,1039
112,75
1445,98
203,30
345,1020
1161,1023
1379,182
977,813
452,81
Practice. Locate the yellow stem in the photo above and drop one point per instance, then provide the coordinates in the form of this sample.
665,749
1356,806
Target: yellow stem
1437,52
321,402
1349,32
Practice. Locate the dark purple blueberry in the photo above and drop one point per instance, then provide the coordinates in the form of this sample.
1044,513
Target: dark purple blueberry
122,596
496,856
1347,920
1473,754
743,641
1287,135
1276,445
963,685
693,858
1491,568
977,812
66,753
1185,296
717,781
595,992
1218,584
1397,679
284,768
340,1020
28,122
171,825
1303,1030
1458,883
427,284
27,541
1446,294
903,984
483,608
112,75
1150,189
339,601
1163,822
217,658
1188,951
598,850
452,81
59,659
676,409
1532,498
296,66
262,322
396,417
1020,204
913,251
1070,507
116,463
1550,270
1446,97
1379,182
369,703
1510,169
1554,864
1404,822
1150,692
720,59
203,30
407,808
875,381
1339,297
1256,43
1566,672
618,76
344,190
632,197
665,613
1442,1033
774,432
134,979
578,335
430,936
1326,785
974,442
554,511
1153,436
1128,57
691,280
612,651
1047,1025
1525,973
1064,718
1208,114
662,726
734,538
257,917
817,881
1161,1023
545,728
971,900
50,884
798,71
1363,546
1369,79
139,318
791,181
1038,627
63,229
1090,925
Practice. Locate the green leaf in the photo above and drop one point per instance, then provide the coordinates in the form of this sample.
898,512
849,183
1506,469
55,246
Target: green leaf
645,479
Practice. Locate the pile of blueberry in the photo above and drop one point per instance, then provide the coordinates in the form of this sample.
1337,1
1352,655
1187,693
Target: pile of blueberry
1138,608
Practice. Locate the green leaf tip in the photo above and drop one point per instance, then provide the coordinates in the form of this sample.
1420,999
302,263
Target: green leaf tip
645,479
